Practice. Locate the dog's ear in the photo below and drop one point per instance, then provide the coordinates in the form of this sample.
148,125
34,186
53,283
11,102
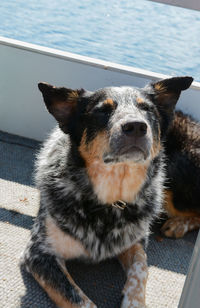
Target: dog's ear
60,102
165,93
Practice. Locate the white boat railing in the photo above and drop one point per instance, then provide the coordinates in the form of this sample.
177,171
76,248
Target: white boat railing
23,65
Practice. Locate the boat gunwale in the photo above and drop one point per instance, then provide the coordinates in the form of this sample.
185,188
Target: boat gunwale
106,65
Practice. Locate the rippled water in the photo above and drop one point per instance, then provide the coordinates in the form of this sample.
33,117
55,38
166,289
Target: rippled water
138,33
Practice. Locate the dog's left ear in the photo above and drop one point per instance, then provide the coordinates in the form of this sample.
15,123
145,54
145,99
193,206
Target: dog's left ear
60,102
165,93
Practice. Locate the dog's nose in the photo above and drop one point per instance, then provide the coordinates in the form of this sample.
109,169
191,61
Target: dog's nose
135,129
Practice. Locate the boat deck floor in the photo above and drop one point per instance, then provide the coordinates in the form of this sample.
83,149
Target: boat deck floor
168,259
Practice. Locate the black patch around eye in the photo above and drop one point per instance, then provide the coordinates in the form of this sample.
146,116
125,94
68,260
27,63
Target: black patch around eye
145,107
99,118
96,121
105,109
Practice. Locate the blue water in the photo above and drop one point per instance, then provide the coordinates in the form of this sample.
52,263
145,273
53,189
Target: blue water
138,33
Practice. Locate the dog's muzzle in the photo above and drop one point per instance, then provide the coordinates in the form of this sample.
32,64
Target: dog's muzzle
129,142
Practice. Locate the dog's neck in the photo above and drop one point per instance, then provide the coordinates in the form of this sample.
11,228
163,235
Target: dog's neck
116,182
111,182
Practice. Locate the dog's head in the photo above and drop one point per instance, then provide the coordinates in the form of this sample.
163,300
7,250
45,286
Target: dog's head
116,124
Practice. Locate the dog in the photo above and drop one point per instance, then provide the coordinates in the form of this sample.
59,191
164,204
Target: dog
183,176
101,177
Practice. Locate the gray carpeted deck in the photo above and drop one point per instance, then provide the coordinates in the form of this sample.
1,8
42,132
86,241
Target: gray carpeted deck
168,260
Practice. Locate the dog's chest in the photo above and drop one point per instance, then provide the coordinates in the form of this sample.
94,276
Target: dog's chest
95,244
112,235
117,182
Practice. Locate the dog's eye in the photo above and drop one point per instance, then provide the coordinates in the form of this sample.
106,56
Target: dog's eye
103,110
145,107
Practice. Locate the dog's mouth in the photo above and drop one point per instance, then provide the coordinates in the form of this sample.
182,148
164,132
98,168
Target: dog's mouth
129,153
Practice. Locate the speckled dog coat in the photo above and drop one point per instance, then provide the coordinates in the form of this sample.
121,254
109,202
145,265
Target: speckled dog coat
100,176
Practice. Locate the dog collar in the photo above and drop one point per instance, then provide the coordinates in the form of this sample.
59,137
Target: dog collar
119,204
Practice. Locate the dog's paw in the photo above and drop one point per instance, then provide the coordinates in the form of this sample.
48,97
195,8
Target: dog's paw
177,227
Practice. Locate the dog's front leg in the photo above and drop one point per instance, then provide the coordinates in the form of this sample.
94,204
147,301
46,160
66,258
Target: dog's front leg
87,303
50,272
56,294
135,265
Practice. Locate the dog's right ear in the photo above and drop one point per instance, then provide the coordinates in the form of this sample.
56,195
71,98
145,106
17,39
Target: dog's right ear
60,102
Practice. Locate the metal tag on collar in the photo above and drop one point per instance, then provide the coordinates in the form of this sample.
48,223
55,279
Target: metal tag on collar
119,204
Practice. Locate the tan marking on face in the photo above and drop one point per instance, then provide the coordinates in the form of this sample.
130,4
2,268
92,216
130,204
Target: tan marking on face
139,100
108,101
170,207
63,244
111,182
120,181
94,150
54,294
134,262
177,227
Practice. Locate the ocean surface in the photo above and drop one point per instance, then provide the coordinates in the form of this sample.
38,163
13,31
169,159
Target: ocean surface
137,33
